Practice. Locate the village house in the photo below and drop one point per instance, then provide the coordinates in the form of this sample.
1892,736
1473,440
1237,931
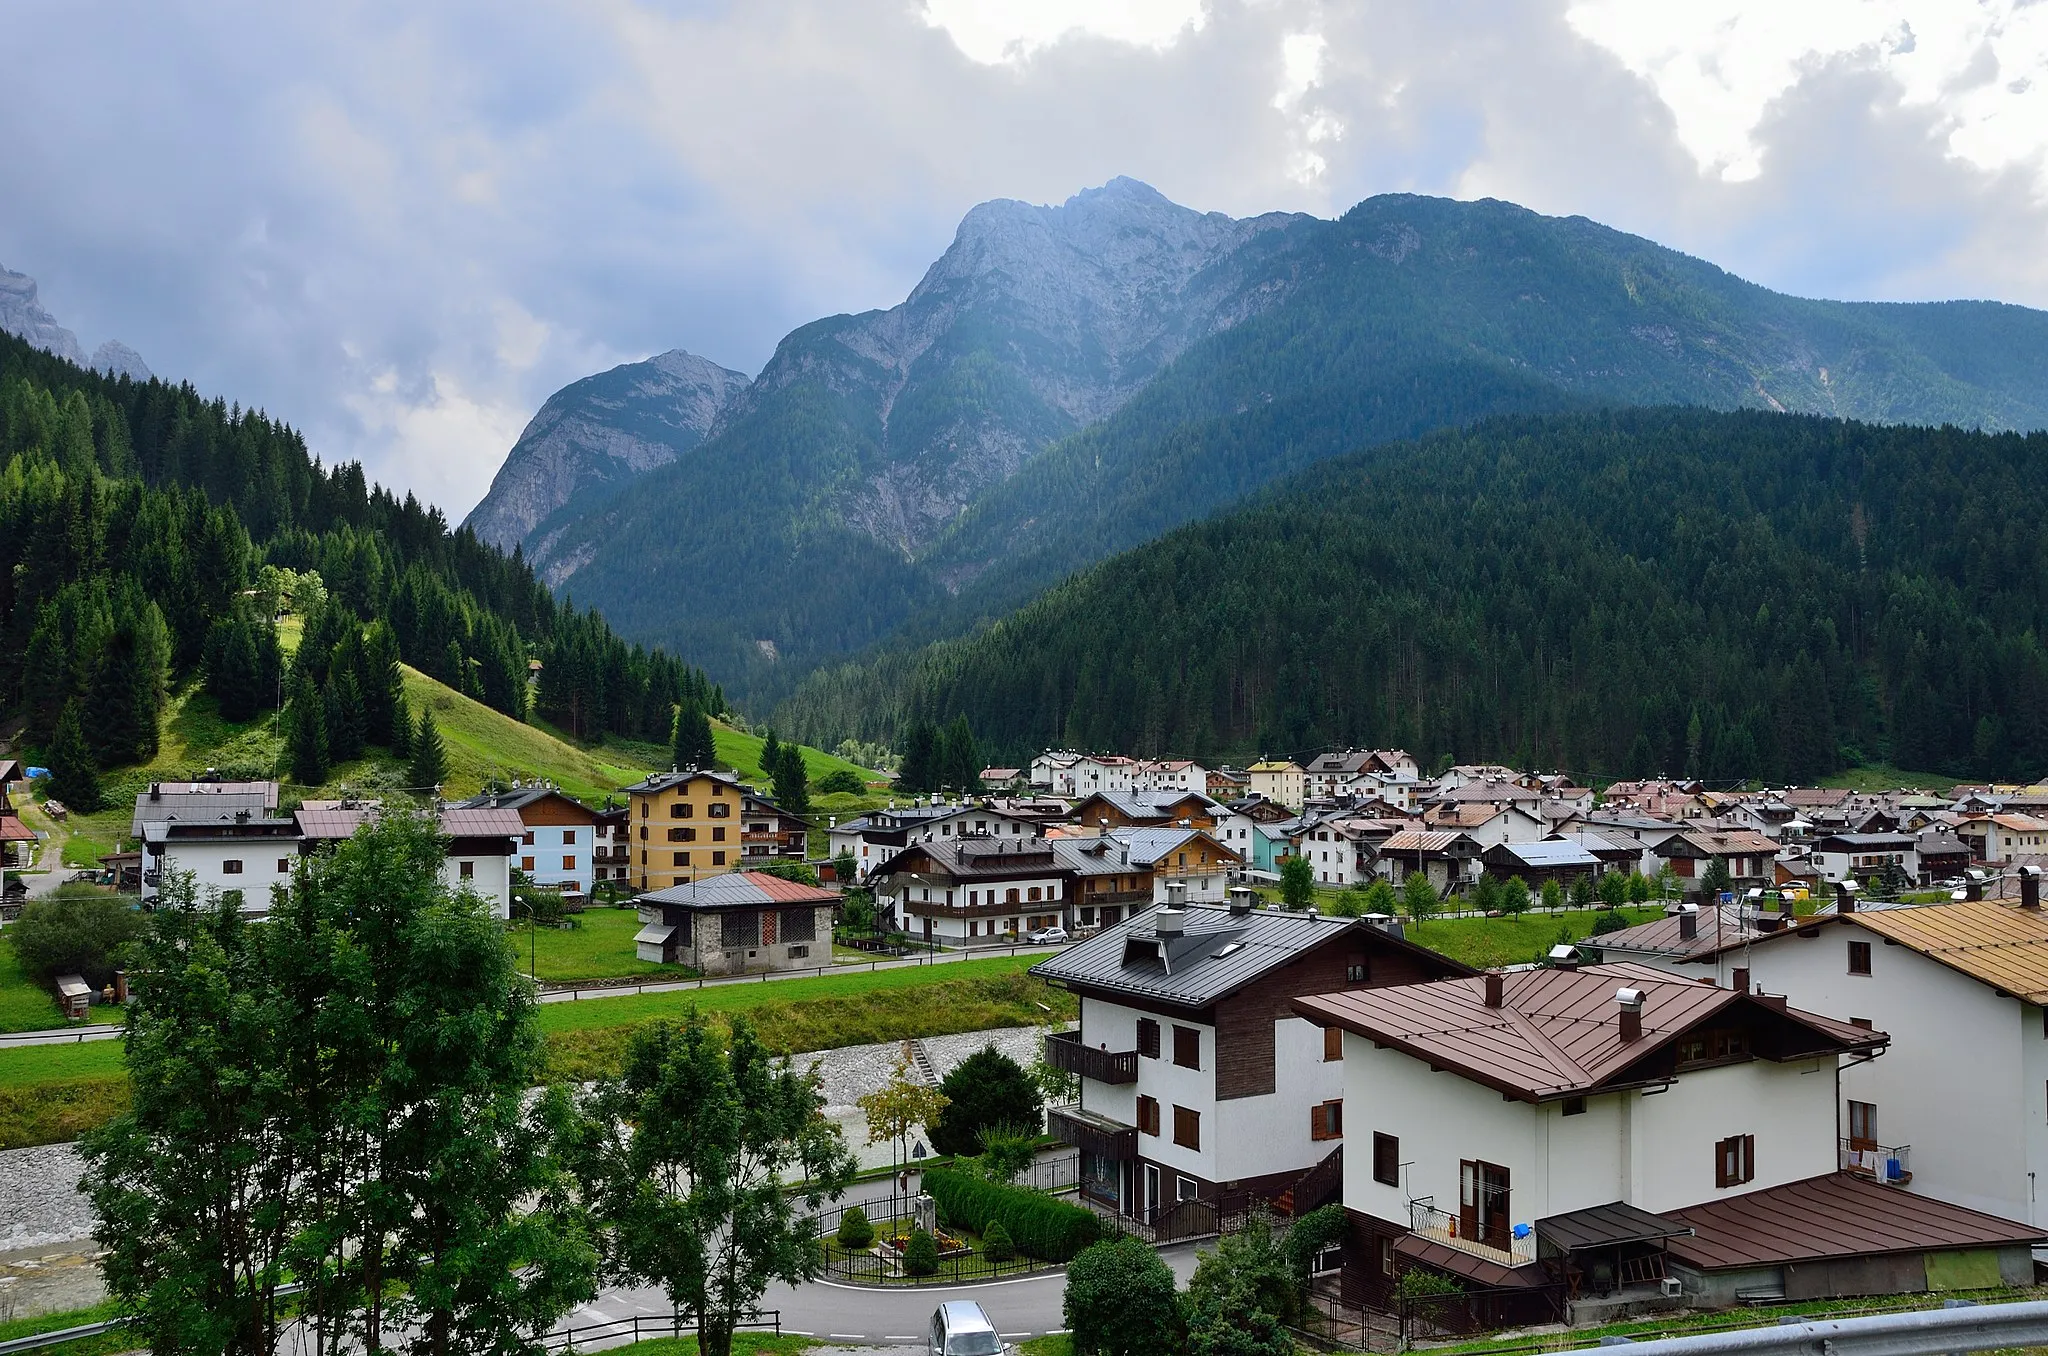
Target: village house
1943,856
1200,1090
1955,1108
691,824
1488,823
1841,856
1074,774
1747,856
1145,809
1448,860
1169,774
1104,885
611,849
2003,837
242,854
1571,1091
1228,784
205,801
1549,859
1282,781
737,922
878,835
478,844
1190,858
974,890
558,845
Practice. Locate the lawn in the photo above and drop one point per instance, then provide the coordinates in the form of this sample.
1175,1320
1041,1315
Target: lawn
600,946
484,744
1885,778
27,1006
1488,942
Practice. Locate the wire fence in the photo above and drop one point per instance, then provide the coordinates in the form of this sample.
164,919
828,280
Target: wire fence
640,1327
572,993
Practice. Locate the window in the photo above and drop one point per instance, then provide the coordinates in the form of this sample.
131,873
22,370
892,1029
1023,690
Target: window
718,811
1333,1043
799,925
526,863
466,870
1859,958
1326,1121
231,867
1574,1106
682,809
1386,1159
1032,894
284,866
799,952
1148,1038
1712,1047
568,837
643,833
1358,972
1735,1160
1187,1128
1186,1188
1148,1115
527,838
1010,897
718,833
1386,1256
740,927
682,835
643,809
682,859
1863,1125
568,863
1187,1047
718,859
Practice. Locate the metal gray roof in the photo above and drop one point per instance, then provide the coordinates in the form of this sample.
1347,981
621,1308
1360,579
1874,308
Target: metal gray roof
1551,853
1148,846
740,890
205,806
1215,954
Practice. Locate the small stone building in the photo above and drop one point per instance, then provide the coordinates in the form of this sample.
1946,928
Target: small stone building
729,924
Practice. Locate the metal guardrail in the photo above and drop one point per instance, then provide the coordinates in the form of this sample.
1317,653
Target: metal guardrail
1960,1326
58,1035
37,1341
592,992
641,1327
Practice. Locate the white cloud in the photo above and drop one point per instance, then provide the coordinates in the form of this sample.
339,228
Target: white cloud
1005,32
1718,65
1301,70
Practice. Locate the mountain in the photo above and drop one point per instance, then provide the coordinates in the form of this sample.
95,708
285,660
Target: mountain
866,434
594,433
23,316
1068,382
1725,595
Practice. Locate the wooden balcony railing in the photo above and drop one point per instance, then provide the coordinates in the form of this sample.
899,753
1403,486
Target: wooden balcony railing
1065,1050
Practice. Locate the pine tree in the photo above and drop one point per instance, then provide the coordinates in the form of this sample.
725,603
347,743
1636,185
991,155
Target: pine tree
917,772
959,761
74,779
401,728
429,757
307,739
706,744
792,780
771,754
691,744
383,687
347,726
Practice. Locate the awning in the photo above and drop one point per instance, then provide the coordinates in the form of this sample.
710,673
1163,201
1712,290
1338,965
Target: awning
1092,1132
654,934
1605,1225
1479,1270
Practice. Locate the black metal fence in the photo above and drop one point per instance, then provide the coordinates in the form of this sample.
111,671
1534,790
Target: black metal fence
640,1327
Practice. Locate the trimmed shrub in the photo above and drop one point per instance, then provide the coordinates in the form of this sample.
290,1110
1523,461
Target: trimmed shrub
996,1244
920,1254
1120,1301
854,1230
1038,1225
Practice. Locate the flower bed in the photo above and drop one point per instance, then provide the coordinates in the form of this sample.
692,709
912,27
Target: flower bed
949,1246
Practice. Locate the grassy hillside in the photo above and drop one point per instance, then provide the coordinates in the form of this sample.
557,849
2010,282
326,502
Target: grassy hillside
484,744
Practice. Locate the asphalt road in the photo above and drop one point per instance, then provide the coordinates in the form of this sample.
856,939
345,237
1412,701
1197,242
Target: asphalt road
1027,1307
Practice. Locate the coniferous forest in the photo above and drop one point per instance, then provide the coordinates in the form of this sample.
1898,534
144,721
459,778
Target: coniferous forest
143,527
1730,596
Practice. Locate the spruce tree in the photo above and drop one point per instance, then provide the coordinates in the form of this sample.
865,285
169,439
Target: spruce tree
383,688
792,780
456,668
961,763
347,727
691,743
429,757
401,729
706,744
917,773
74,778
771,755
306,741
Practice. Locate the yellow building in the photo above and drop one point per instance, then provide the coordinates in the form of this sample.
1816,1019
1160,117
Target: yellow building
688,825
1284,782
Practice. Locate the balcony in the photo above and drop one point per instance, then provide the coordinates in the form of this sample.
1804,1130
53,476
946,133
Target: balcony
1064,1050
1494,1245
1891,1166
1092,1133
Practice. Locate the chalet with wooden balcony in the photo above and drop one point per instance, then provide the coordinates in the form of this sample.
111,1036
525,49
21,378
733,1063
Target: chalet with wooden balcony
1105,811
1580,1104
976,890
1201,1090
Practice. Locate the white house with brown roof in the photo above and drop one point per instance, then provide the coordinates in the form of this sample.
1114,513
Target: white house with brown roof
1960,1100
1567,1089
2004,837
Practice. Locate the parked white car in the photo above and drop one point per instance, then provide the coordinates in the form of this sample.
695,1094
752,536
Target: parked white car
1052,936
962,1328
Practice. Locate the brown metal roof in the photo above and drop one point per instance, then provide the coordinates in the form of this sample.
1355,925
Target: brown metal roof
1837,1215
1556,1033
1720,928
1605,1225
1484,1271
1995,944
1410,840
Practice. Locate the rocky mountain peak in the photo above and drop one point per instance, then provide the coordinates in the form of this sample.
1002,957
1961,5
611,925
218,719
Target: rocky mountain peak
22,315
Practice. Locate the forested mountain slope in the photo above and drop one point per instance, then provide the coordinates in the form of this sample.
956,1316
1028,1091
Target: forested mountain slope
866,519
135,518
1726,595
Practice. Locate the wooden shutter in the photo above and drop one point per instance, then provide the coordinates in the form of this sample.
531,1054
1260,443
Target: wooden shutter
1148,1115
1333,1043
1187,1128
1187,1047
1386,1159
1148,1038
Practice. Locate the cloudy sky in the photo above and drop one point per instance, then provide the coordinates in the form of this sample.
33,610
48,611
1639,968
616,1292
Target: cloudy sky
401,226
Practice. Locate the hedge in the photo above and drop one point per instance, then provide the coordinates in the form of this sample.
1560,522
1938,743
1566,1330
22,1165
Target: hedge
1038,1225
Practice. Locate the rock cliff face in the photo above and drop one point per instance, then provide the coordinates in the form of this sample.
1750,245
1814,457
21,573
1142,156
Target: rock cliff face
600,431
23,316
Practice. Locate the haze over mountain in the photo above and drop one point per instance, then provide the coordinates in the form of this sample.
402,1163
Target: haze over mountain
599,431
1070,381
23,316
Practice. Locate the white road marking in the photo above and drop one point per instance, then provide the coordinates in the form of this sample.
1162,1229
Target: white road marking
899,1337
857,1336
1013,1334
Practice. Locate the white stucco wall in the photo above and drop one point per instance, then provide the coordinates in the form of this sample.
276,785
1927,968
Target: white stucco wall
1158,1078
1259,1136
207,863
490,878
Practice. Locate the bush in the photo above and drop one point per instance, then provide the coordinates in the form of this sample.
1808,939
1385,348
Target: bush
920,1254
986,1090
74,933
1248,1270
1038,1225
1611,921
803,873
1120,1301
996,1244
1415,1283
854,1230
840,781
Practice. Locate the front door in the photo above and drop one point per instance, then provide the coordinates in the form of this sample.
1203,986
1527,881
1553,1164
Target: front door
1483,1203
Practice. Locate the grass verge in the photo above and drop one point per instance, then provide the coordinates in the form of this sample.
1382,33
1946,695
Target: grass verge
750,1343
600,946
103,1344
1488,942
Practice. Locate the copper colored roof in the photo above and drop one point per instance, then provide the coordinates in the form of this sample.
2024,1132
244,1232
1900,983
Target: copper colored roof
477,822
13,830
740,890
1481,1270
1556,1033
1994,944
1719,927
1837,1215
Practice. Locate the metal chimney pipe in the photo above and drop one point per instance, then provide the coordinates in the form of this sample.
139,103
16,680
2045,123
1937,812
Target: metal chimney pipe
1493,988
2030,887
1630,1002
1688,924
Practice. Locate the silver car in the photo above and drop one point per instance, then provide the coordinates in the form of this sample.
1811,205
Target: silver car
961,1328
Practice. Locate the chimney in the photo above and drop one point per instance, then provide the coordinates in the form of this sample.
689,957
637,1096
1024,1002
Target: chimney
1240,900
156,790
1740,981
1564,956
2030,887
1166,922
1493,988
1176,894
1630,1001
1845,896
1688,924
